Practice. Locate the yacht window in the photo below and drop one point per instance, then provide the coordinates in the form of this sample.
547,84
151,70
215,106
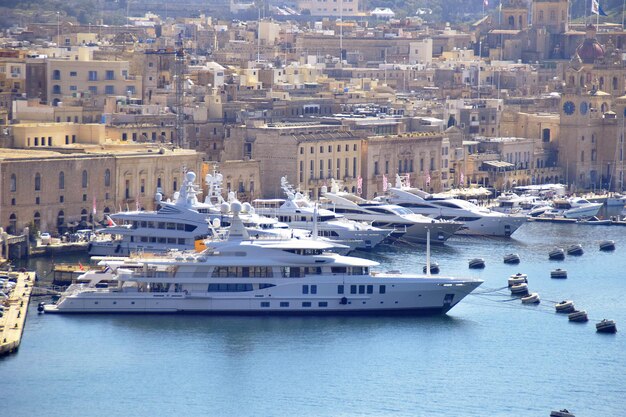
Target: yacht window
339,289
161,225
322,304
284,303
313,270
265,303
338,269
161,240
153,239
382,289
144,224
361,289
352,289
171,240
370,289
171,226
313,289
306,304
180,226
357,270
263,285
229,287
181,241
144,238
305,289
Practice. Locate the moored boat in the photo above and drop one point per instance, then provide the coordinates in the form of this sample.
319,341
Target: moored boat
477,263
556,254
518,278
579,316
606,326
558,273
532,298
575,250
607,245
565,306
511,258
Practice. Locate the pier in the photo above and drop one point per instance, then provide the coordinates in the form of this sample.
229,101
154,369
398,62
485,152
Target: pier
15,310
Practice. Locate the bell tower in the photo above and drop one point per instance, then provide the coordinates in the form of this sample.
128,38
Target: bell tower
514,15
551,15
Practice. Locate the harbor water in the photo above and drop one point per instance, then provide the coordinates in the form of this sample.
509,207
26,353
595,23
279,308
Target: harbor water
489,356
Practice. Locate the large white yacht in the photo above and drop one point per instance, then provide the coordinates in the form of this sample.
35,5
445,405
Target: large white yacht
243,275
408,225
180,224
476,220
572,208
299,212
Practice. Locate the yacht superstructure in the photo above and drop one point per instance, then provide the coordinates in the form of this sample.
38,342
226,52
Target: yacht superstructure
476,220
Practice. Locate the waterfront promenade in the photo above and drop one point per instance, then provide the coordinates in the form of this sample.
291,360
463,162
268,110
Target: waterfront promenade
15,309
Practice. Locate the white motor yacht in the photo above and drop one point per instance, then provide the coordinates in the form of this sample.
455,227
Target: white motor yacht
572,208
243,275
476,220
389,216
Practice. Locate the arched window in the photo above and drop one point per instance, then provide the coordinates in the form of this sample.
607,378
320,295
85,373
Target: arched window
511,21
56,75
12,224
85,178
37,182
61,180
604,108
13,185
614,83
107,178
37,220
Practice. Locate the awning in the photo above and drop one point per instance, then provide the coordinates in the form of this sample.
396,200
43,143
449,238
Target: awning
498,164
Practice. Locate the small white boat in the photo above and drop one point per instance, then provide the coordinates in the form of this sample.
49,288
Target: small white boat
607,245
556,254
594,221
561,413
575,249
606,326
519,288
565,306
518,278
578,316
511,258
532,298
558,273
477,263
434,268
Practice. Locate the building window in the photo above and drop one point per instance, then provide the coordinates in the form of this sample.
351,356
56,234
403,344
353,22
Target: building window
85,178
107,178
110,75
56,75
93,89
93,76
13,184
60,218
37,182
61,180
73,74
56,89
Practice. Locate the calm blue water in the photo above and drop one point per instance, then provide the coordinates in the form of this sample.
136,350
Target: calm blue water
487,357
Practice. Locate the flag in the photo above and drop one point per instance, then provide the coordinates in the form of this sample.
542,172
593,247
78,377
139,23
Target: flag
80,266
596,9
93,210
385,184
359,185
427,178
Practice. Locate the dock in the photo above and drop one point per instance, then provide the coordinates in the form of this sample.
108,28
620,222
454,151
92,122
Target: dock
15,310
552,219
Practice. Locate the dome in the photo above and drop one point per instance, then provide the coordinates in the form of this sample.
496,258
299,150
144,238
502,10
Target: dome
590,49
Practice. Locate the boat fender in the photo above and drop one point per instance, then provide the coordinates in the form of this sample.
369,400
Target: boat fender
343,301
40,307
